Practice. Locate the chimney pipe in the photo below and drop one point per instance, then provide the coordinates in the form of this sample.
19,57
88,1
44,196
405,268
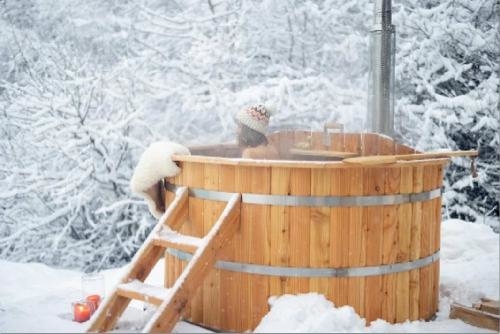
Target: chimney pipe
381,79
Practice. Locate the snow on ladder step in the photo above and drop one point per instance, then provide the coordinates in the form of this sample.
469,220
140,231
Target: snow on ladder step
138,290
169,238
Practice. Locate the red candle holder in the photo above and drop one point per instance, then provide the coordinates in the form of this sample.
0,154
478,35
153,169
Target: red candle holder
95,300
82,310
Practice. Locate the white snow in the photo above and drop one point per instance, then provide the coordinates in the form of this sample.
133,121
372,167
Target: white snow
37,298
309,313
175,237
146,289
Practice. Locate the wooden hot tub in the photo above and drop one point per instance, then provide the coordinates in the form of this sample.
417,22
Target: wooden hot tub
365,236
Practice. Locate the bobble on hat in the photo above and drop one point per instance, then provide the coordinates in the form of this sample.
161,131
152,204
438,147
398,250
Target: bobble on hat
255,117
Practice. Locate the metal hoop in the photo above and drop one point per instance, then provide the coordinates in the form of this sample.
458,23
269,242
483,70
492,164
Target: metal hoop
258,269
311,201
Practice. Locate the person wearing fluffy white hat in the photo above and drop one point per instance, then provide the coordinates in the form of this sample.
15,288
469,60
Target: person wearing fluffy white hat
253,123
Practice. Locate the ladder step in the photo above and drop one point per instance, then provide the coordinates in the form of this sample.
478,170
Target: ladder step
141,291
168,238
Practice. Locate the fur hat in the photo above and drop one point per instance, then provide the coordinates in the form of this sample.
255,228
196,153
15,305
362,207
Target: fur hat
256,117
155,164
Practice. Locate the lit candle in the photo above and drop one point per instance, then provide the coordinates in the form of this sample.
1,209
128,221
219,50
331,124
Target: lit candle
81,311
95,300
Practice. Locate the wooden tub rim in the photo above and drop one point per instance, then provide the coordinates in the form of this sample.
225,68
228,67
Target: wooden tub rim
298,163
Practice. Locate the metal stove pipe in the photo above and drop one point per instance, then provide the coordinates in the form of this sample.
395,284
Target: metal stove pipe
381,81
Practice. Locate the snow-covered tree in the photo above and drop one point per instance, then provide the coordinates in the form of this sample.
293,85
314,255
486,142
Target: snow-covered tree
70,132
448,94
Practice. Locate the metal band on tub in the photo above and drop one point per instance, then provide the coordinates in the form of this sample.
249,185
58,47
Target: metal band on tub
258,269
311,201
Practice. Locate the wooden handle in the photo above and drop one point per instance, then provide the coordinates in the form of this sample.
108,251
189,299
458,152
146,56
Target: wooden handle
388,159
322,153
334,125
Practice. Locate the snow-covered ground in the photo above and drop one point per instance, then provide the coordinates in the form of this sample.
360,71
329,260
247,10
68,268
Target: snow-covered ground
37,298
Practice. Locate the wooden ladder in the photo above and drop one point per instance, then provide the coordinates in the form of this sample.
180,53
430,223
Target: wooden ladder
171,302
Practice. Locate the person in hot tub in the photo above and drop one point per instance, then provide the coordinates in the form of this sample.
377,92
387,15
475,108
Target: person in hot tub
252,128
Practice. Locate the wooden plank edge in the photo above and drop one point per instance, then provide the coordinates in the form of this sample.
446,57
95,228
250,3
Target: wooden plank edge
474,317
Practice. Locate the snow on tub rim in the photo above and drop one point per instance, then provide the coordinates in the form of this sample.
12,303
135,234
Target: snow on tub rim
365,236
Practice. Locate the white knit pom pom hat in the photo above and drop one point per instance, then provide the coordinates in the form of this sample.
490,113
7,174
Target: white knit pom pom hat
256,117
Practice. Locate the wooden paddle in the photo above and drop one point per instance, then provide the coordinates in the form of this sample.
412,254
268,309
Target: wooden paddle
322,153
389,159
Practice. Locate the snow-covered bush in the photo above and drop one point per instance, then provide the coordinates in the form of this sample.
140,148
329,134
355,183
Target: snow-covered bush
204,63
447,75
70,132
